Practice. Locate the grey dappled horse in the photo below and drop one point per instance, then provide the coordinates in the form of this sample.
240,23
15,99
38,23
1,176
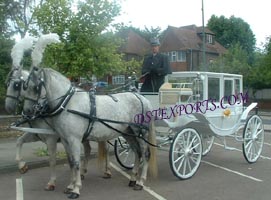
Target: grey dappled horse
15,95
77,115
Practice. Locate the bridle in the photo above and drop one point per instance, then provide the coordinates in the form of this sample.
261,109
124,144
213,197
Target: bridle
37,88
42,109
17,85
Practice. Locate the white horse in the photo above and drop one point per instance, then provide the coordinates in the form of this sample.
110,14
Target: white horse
77,115
15,94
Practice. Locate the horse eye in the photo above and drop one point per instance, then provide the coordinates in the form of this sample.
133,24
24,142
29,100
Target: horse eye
37,89
17,85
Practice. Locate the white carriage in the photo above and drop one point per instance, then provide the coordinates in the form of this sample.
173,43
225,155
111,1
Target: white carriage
190,110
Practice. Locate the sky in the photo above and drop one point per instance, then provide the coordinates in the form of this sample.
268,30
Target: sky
164,13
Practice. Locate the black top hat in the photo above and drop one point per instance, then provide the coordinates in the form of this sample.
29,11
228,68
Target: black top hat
155,42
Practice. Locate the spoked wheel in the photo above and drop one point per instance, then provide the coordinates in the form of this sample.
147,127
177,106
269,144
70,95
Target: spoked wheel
207,143
253,136
124,154
185,153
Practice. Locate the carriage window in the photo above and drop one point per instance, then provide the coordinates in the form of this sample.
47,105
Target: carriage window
213,88
228,92
237,86
197,90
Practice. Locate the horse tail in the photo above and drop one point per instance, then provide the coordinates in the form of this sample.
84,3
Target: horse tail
153,169
101,154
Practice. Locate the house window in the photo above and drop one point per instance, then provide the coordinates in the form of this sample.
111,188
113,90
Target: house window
181,56
173,56
177,56
118,80
209,38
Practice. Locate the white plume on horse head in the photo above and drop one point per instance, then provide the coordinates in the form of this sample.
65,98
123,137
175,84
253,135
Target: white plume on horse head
40,46
19,48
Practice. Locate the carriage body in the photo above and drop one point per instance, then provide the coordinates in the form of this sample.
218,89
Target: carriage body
191,109
219,97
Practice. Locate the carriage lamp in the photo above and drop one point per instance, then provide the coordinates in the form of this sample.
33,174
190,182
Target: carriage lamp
227,112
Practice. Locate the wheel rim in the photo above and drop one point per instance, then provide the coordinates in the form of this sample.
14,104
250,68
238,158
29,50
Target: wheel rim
253,139
186,153
207,143
124,153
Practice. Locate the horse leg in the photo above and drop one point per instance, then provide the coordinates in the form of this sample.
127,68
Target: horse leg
75,149
51,142
148,157
70,187
134,173
107,173
134,146
143,177
25,138
84,165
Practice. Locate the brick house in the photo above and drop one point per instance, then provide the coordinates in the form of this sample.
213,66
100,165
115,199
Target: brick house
184,47
134,47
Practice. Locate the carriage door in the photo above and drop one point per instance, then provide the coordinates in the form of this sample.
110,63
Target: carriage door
230,101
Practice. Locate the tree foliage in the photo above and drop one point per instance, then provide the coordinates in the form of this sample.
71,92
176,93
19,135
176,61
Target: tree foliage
19,15
5,63
233,61
261,74
87,46
231,31
146,33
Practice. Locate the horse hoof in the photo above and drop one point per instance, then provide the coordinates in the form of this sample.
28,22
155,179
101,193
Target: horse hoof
24,169
73,195
67,191
49,188
107,175
138,187
132,183
82,177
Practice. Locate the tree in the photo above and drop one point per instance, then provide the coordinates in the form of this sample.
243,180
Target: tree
231,31
19,15
146,33
233,61
260,77
87,47
5,64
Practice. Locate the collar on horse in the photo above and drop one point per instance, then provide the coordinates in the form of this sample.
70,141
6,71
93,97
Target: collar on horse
43,110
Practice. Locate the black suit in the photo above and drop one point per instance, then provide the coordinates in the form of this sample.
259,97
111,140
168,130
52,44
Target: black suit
157,68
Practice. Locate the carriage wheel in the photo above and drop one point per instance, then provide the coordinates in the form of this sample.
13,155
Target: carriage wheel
253,136
207,143
185,153
124,154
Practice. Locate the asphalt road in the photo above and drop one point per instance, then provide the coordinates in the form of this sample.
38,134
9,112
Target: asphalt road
222,175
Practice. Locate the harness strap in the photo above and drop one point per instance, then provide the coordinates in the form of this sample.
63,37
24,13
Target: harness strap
61,105
103,121
114,98
92,112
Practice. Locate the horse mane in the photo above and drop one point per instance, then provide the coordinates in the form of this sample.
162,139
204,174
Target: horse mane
51,75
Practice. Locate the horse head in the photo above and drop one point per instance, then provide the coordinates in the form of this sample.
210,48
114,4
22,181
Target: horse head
17,76
33,86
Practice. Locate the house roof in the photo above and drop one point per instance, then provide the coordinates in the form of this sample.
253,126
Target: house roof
133,43
188,37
